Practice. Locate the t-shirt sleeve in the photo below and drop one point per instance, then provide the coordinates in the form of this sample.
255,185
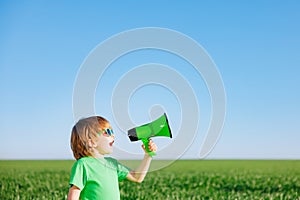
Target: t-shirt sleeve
122,171
77,177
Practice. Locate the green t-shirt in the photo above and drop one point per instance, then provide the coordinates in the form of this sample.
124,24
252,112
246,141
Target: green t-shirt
98,178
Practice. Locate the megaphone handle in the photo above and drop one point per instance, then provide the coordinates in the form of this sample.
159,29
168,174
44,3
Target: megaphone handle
146,144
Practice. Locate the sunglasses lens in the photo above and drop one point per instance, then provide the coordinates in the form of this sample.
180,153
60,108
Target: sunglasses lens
109,131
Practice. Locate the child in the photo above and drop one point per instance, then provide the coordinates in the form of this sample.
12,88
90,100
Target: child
94,176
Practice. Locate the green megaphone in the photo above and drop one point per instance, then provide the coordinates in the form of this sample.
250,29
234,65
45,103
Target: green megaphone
159,127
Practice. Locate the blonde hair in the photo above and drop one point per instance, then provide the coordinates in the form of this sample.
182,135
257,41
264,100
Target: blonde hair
84,131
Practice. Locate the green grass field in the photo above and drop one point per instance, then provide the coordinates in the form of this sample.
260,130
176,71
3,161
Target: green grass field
184,179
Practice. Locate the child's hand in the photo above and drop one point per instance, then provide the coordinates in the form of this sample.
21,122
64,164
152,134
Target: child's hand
152,146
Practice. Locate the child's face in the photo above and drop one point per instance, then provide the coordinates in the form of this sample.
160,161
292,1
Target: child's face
104,145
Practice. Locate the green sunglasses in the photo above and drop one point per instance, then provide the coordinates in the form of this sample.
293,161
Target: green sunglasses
107,132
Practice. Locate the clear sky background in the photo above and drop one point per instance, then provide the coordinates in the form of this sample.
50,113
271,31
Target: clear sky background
255,45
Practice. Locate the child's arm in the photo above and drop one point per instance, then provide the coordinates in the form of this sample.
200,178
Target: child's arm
139,174
74,193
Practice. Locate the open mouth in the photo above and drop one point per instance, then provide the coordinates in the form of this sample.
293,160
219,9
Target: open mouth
111,143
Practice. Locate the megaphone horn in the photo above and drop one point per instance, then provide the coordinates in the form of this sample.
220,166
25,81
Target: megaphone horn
158,127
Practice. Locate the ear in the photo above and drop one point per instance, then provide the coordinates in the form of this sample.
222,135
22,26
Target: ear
91,143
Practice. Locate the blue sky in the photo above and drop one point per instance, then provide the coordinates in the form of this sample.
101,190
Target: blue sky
255,46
